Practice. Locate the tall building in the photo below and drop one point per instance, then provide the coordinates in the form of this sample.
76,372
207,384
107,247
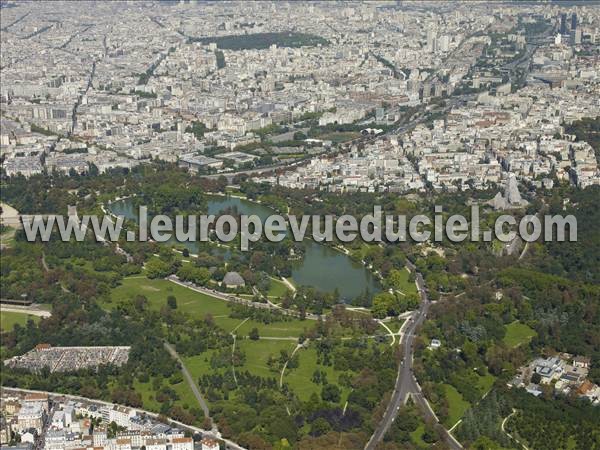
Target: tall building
444,43
431,40
563,23
573,22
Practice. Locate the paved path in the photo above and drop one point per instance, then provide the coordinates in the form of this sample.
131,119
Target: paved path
234,336
288,284
298,347
31,310
391,333
235,299
503,427
47,269
190,381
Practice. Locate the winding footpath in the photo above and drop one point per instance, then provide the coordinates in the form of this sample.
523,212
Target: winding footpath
298,347
406,384
503,428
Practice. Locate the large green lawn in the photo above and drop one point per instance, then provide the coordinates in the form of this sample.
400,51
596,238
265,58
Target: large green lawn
184,392
285,334
257,355
457,406
199,305
518,333
198,365
9,319
156,291
258,352
300,378
407,286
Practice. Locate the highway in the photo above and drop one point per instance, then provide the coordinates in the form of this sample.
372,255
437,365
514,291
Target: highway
406,384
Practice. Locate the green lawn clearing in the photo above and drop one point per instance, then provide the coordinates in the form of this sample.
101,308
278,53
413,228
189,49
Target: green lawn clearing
457,406
518,333
9,319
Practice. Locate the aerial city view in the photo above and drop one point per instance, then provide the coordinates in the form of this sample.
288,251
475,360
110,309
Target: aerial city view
273,225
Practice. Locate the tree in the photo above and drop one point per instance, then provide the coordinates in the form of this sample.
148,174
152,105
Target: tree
384,304
155,268
172,302
430,436
395,279
93,170
299,136
140,302
197,275
254,334
331,393
320,427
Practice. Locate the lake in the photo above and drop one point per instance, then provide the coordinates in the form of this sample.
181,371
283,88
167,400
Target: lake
322,267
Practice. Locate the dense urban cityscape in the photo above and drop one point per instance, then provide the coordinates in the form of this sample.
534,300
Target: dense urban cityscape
324,107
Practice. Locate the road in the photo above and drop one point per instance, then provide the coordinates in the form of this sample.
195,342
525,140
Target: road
417,119
190,381
257,171
406,384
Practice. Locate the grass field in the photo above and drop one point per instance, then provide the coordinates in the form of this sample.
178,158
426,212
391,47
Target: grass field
486,382
395,325
416,437
518,333
156,291
277,289
186,397
198,305
456,405
407,286
9,319
258,353
198,365
300,378
339,136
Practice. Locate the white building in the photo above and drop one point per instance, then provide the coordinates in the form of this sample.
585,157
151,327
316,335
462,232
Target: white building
209,444
183,443
120,415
